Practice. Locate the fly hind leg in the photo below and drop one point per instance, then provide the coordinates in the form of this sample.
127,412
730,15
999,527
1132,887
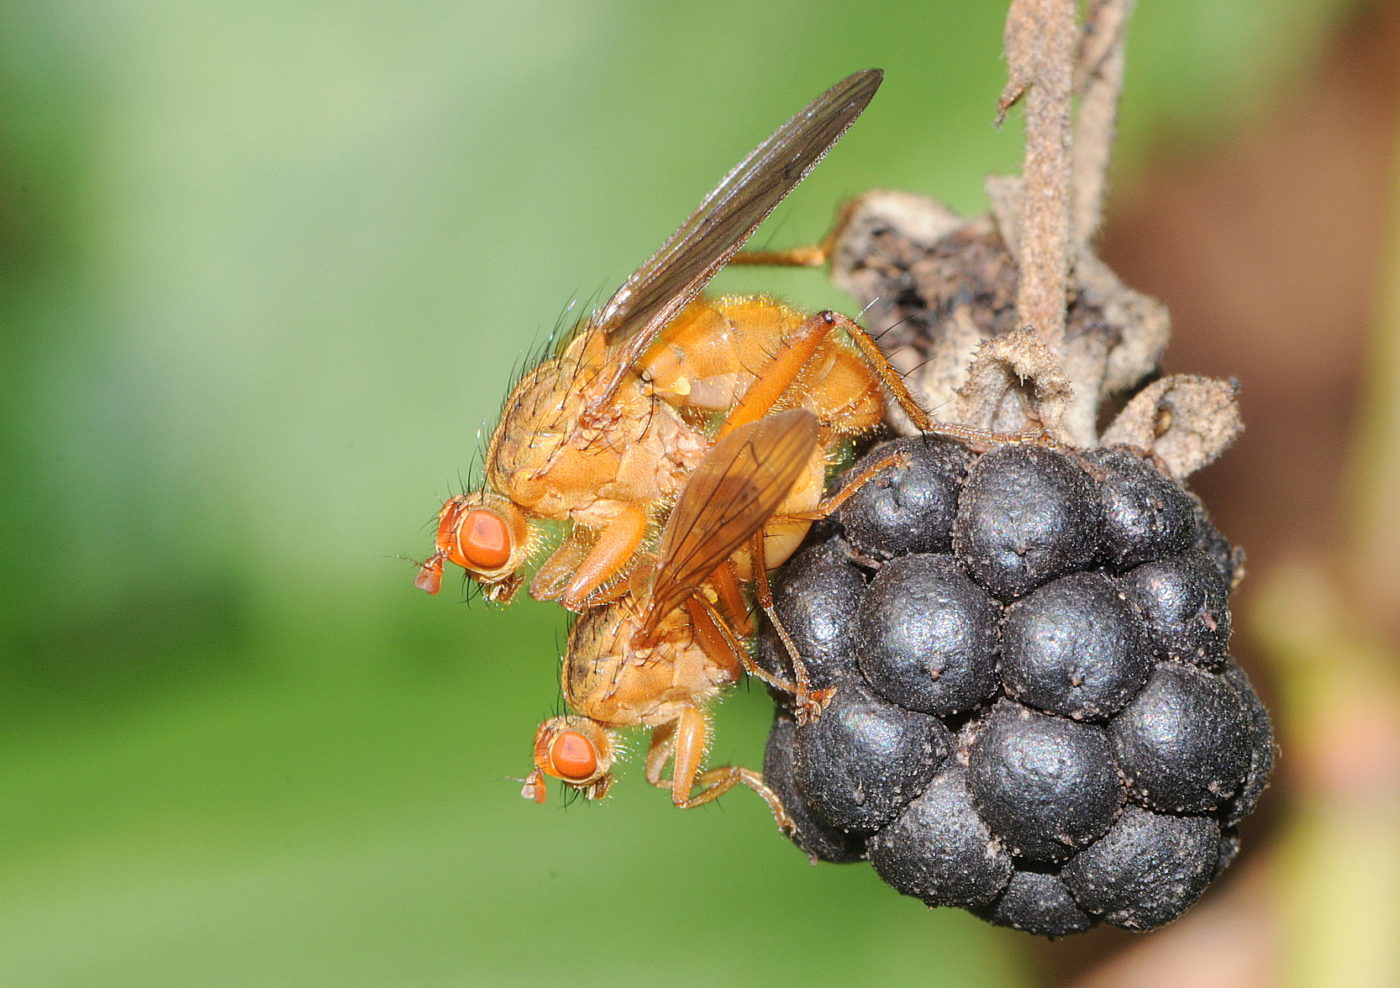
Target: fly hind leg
811,256
798,349
725,648
684,743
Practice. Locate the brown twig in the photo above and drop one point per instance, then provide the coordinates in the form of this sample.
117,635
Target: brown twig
1040,54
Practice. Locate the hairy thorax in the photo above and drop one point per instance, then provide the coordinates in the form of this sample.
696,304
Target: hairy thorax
555,460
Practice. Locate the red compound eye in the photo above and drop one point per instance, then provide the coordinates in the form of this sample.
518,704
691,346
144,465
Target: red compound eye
484,540
572,757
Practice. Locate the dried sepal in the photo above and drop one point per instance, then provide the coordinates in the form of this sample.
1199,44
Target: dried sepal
1185,422
1016,384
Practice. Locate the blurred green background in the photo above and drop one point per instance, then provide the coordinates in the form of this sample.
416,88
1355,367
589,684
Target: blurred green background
266,269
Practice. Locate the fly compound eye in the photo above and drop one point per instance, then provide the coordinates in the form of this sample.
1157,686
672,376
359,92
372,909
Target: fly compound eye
572,757
484,539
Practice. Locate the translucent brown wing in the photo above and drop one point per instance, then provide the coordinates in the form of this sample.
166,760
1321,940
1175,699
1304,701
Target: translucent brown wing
727,217
734,491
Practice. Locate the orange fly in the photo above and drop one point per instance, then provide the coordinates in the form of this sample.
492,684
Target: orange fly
605,434
659,655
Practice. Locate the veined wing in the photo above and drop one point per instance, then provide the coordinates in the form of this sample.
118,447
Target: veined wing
727,217
733,493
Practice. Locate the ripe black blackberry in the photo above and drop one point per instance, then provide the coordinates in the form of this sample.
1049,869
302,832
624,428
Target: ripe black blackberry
1035,714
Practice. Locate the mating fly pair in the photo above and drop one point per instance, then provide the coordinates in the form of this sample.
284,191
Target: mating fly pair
685,441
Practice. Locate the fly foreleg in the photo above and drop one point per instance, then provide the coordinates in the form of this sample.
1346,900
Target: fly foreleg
615,547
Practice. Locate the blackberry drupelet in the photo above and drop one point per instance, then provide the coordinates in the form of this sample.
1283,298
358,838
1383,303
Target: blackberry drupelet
1025,516
865,758
1046,785
1035,714
1075,647
927,635
910,510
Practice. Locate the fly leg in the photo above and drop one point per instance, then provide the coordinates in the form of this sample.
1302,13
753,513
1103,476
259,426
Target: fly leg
684,742
616,545
715,637
782,373
725,648
559,568
871,354
876,360
778,378
659,752
827,506
725,580
807,702
813,256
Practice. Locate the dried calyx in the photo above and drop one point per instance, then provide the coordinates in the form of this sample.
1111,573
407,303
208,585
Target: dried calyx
947,287
1008,322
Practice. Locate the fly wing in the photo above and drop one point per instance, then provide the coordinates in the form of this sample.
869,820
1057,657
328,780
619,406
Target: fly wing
736,489
727,217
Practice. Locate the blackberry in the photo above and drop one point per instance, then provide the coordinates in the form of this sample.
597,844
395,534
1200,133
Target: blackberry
821,841
938,848
1145,515
1038,902
1183,742
864,759
1184,602
1261,747
818,593
1147,869
1035,717
909,510
1228,559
